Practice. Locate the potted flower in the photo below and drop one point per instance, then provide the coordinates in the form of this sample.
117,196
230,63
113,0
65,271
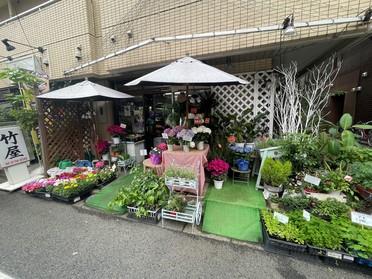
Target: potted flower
155,156
275,173
170,137
202,134
115,131
218,169
102,147
185,136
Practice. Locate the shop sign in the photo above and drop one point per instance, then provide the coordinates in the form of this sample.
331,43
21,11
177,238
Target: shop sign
13,148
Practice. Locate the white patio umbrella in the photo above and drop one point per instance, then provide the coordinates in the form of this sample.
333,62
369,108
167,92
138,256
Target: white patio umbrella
187,71
84,90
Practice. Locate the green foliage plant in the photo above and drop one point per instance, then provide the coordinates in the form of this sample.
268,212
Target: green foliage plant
362,173
176,203
146,192
330,209
296,202
275,172
180,172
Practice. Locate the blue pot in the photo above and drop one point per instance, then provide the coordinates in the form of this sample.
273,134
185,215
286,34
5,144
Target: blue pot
243,165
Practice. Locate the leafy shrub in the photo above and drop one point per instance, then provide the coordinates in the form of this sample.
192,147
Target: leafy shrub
362,173
289,232
302,150
146,192
176,203
295,202
333,180
331,208
275,172
180,172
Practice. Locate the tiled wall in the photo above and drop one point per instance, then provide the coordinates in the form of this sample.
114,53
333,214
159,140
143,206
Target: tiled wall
62,26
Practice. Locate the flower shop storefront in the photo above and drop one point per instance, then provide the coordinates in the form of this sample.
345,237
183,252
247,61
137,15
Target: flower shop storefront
305,191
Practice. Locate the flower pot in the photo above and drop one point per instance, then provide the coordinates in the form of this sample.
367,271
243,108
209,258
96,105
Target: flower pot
243,165
240,144
186,148
155,159
114,159
170,147
115,140
200,145
105,157
273,189
218,184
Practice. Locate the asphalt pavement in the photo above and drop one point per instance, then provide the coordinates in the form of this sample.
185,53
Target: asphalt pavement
45,239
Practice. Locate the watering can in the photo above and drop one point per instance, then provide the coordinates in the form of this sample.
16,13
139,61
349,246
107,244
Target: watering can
64,164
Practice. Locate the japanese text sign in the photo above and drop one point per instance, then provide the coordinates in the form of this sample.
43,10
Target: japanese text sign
13,148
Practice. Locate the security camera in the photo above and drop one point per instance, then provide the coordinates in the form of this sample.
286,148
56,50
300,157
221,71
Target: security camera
113,39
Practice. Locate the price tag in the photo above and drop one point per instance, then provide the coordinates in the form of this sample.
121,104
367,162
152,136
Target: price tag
312,179
164,135
348,258
306,215
47,195
361,218
143,152
281,217
76,199
124,126
334,255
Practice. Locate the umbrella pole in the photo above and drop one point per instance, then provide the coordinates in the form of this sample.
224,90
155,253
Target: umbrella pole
187,106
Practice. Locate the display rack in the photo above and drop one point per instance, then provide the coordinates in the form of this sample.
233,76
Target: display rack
192,213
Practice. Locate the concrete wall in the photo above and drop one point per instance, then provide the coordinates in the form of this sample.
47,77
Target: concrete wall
63,26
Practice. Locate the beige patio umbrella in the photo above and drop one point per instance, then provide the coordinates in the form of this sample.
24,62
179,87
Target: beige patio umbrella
187,71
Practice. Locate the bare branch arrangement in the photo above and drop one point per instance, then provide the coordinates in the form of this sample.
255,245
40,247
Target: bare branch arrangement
300,103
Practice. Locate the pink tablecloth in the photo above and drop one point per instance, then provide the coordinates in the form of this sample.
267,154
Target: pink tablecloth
188,159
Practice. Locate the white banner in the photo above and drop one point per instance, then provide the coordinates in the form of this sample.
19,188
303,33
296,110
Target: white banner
13,149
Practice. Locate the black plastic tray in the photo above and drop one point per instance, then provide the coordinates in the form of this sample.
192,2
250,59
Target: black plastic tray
74,199
40,195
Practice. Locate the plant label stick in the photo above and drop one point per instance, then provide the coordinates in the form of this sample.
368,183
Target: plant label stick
312,179
281,217
361,218
124,126
306,215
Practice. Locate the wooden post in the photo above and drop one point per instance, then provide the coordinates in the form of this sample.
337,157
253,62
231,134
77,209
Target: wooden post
43,137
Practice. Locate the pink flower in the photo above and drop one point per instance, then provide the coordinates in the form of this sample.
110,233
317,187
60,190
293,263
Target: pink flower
115,130
162,146
100,164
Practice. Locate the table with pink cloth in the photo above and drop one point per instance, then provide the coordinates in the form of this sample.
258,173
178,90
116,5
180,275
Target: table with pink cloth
188,159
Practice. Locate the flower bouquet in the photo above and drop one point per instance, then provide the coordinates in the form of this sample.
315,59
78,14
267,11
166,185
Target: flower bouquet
115,131
201,136
218,169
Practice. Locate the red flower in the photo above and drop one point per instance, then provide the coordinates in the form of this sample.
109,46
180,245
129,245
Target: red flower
115,130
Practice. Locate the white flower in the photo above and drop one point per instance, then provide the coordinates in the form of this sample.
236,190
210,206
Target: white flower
194,130
199,129
208,130
192,144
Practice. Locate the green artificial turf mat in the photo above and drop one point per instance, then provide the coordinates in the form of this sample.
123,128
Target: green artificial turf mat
102,198
233,211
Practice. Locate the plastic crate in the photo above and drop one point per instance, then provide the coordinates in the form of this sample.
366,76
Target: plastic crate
153,217
74,199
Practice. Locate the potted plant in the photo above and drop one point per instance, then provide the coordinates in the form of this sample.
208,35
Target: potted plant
275,173
115,131
185,136
155,156
103,147
201,135
218,169
361,177
170,138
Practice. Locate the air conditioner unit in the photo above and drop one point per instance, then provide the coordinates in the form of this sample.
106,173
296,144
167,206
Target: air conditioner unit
31,63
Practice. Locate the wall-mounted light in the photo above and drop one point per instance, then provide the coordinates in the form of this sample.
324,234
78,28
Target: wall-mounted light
288,25
10,47
46,61
359,88
367,15
365,74
130,34
353,89
78,53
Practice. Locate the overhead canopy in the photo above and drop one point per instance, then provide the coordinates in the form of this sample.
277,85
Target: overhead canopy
187,71
84,90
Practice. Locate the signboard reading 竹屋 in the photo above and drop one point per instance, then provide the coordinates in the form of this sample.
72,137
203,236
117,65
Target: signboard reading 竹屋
13,148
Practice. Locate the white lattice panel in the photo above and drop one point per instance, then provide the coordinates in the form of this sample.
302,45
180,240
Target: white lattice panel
258,95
